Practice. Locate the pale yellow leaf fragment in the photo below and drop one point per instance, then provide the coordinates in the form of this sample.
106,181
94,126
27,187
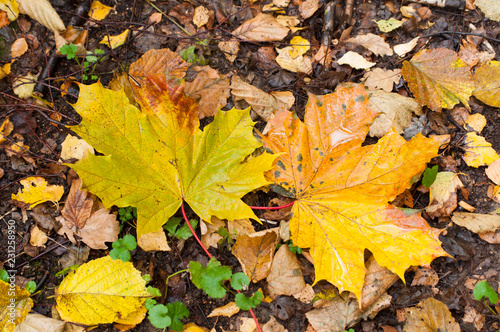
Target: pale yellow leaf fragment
239,227
403,49
37,190
42,12
155,241
478,152
301,64
41,323
490,8
475,122
355,60
75,148
5,70
227,310
493,172
98,11
23,86
115,41
372,42
5,129
389,25
477,222
281,3
289,22
201,16
273,326
443,196
383,79
37,237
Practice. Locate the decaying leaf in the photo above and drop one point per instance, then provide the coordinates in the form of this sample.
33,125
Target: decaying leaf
438,78
263,27
98,11
307,8
340,216
389,25
115,41
156,62
490,8
154,241
18,48
478,152
22,305
472,316
211,237
355,60
443,194
42,12
487,83
378,279
24,85
379,78
156,157
395,111
425,277
41,323
101,291
201,16
299,64
485,225
374,43
230,49
11,8
6,129
37,237
285,276
240,227
430,316
211,88
255,253
75,148
227,310
37,190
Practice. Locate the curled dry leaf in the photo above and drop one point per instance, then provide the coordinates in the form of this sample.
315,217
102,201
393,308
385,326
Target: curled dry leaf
374,43
478,152
443,195
211,237
227,310
158,61
75,148
262,103
425,277
261,28
308,7
472,316
430,315
378,279
211,88
403,49
42,12
78,207
438,78
485,225
285,276
383,79
255,253
355,60
299,64
37,190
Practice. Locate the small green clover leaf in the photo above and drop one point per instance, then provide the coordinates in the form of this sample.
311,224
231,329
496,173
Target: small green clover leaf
154,291
159,317
247,303
483,289
150,303
4,276
177,311
212,279
31,286
238,280
69,51
429,176
122,247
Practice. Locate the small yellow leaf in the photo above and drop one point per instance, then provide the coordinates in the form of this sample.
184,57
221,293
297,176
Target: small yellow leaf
201,16
36,191
430,315
5,70
301,64
355,60
22,305
18,48
192,327
11,8
38,238
98,11
478,152
23,86
115,41
389,25
75,148
227,310
476,122
487,83
299,46
101,291
5,129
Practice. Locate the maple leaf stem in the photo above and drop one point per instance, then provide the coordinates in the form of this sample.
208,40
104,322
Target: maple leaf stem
210,256
271,207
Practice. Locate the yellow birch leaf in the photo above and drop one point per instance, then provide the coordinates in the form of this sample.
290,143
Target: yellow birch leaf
478,152
98,11
299,46
13,311
115,41
156,157
487,83
37,190
101,291
438,78
342,189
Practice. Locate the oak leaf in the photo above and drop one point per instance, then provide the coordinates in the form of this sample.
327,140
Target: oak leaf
438,78
156,157
342,189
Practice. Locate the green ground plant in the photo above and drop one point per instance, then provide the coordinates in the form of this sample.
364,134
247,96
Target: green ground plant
87,63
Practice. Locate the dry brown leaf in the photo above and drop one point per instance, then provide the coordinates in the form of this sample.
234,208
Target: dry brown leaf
101,227
230,49
158,61
355,60
378,279
472,316
301,64
308,8
289,21
372,42
306,295
395,111
211,237
240,227
41,323
477,222
211,88
156,241
18,48
273,326
489,8
429,316
383,79
227,310
75,148
342,312
285,276
38,238
264,104
78,207
201,16
261,28
42,12
425,277
443,194
403,49
255,254
493,172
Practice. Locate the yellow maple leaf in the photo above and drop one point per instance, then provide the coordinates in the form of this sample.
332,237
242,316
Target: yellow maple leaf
115,41
478,152
342,189
157,157
487,83
102,291
438,78
15,304
37,190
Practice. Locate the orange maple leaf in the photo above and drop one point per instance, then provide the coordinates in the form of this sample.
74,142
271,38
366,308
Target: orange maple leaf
342,189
